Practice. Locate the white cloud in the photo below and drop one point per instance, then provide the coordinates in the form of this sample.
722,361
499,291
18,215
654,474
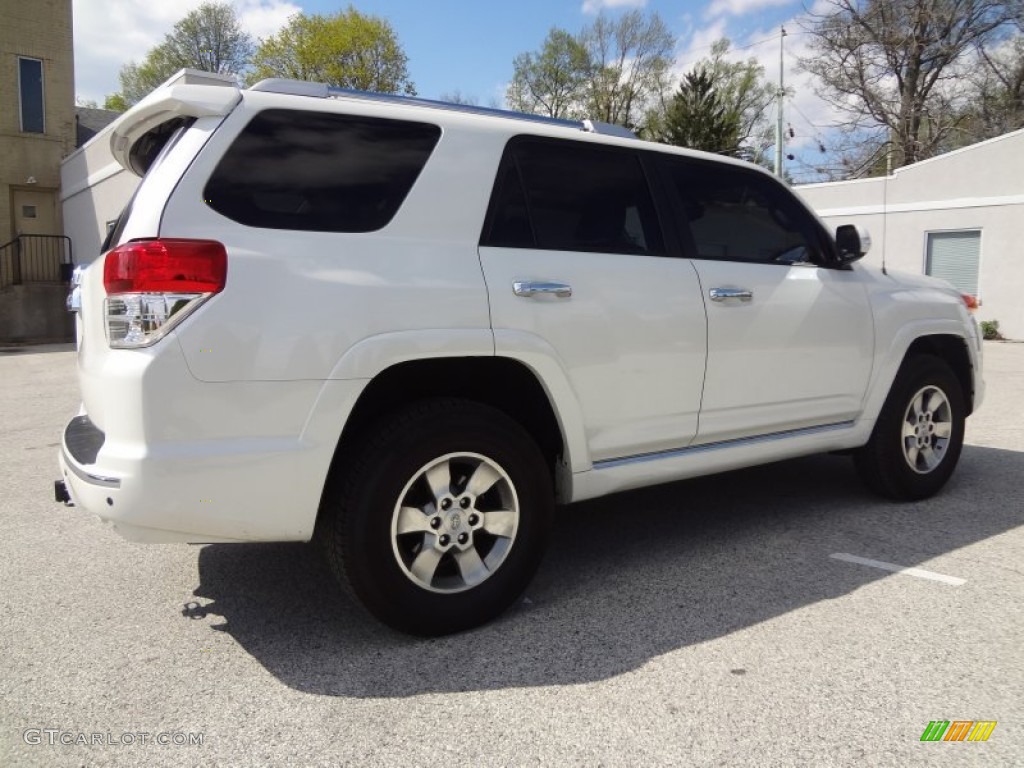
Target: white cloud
110,33
596,6
741,7
263,19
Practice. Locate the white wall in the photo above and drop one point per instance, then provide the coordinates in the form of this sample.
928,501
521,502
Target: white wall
94,189
977,187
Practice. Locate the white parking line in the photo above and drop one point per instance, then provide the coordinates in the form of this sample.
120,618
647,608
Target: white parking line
919,572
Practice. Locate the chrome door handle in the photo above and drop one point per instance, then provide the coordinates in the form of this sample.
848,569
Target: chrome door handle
724,294
527,289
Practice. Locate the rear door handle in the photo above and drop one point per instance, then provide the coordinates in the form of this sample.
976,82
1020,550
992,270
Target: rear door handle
724,294
527,289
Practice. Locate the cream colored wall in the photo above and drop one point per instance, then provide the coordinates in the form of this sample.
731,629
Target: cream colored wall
94,190
40,29
978,187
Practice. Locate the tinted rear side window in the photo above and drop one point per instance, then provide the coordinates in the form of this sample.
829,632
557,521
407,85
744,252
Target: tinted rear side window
319,172
571,196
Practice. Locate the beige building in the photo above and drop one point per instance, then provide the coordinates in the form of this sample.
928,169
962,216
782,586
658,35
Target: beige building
37,130
956,216
37,119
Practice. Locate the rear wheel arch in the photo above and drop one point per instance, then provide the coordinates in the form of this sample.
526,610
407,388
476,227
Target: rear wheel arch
439,522
499,382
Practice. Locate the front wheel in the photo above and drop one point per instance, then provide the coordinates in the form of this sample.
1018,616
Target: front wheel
440,523
917,440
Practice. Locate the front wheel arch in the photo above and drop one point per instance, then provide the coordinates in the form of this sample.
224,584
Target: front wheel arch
907,458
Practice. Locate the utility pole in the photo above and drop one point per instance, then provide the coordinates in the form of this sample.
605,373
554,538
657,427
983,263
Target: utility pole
778,125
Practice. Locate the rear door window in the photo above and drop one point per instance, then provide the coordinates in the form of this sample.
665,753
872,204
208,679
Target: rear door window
319,172
572,196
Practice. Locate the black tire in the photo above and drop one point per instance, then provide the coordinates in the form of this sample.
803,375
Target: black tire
363,512
885,463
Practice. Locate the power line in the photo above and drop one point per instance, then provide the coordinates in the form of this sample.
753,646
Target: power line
753,44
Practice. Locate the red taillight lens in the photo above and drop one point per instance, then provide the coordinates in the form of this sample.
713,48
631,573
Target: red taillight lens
166,266
152,285
971,301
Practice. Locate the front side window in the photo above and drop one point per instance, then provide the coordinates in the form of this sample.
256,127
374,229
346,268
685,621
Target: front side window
733,214
30,92
572,196
319,172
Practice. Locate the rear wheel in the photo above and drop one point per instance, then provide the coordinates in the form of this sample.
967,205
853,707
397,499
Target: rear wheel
441,521
917,440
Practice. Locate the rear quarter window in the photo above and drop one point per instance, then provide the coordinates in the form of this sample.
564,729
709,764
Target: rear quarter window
319,172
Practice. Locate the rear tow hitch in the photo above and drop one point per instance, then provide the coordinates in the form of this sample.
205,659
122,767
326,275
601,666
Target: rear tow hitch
60,493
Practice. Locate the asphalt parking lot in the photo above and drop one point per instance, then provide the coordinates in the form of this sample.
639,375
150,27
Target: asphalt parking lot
700,623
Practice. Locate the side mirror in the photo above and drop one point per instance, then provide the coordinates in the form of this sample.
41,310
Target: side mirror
852,242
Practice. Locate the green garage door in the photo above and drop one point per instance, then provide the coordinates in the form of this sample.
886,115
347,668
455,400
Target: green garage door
953,256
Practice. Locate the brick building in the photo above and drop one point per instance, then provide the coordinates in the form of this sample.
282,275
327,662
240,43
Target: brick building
37,130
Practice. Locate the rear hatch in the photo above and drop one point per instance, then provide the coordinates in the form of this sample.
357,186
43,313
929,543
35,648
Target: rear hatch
156,141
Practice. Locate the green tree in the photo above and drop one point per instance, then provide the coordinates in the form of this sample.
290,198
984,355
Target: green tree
698,116
116,102
210,39
551,81
738,88
612,71
347,49
630,59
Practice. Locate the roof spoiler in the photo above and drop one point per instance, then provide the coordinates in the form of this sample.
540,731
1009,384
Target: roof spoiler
189,93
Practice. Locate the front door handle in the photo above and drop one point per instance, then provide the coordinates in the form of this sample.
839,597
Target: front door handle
527,289
724,294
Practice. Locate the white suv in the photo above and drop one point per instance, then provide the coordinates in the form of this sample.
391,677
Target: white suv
409,329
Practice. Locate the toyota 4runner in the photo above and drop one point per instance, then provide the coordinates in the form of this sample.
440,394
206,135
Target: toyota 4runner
408,329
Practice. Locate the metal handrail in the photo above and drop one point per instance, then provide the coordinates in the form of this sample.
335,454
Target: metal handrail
36,259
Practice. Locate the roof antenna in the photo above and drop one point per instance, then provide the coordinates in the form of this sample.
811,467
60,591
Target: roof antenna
885,198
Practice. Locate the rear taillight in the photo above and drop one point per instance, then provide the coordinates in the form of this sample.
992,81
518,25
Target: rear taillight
152,285
970,301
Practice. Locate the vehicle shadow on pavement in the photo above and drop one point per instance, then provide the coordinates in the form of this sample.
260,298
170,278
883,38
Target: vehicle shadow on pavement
627,578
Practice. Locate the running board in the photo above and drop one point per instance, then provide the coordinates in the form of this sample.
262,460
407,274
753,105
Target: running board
628,472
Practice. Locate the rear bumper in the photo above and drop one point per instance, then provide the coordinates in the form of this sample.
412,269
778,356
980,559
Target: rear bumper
238,494
211,488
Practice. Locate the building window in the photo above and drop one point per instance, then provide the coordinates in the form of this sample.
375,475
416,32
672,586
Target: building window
28,211
953,256
30,91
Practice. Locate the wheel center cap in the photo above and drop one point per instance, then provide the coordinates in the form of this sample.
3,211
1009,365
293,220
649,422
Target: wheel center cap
455,522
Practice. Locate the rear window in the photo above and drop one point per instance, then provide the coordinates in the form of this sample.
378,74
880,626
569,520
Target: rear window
319,172
145,151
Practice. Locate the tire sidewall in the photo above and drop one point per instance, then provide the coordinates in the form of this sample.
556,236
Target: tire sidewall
369,559
919,373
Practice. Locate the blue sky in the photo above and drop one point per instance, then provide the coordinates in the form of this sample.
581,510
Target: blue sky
467,45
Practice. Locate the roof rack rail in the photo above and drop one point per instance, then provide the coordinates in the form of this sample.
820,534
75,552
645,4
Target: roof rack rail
324,91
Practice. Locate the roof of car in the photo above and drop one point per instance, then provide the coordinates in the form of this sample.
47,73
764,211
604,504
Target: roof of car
545,125
322,90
